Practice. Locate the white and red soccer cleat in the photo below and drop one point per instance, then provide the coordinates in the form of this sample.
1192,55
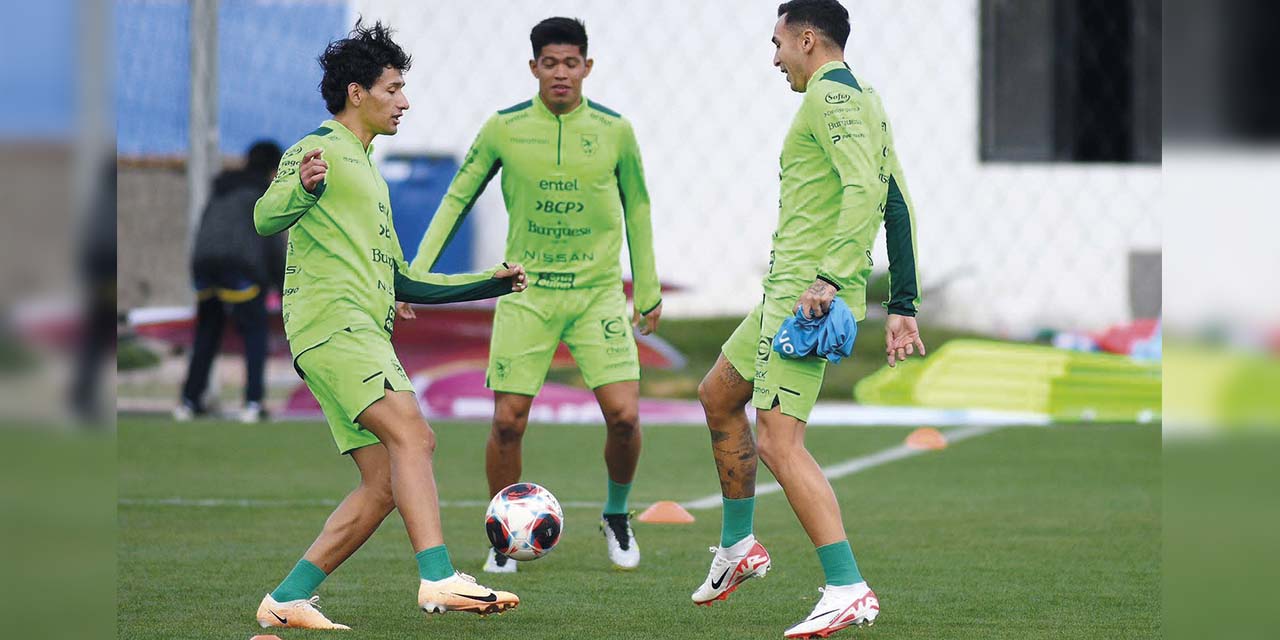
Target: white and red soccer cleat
840,607
730,567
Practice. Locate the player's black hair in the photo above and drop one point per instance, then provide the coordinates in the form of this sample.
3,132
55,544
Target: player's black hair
263,157
558,31
827,17
360,57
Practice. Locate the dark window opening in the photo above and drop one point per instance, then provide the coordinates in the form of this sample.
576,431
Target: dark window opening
1070,81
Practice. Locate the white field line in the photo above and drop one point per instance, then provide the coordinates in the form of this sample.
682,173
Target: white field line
839,470
854,465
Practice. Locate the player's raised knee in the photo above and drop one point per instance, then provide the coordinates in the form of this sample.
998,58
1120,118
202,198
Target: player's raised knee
411,435
714,397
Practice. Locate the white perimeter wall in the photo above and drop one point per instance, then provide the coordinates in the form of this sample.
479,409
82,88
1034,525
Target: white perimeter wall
1019,245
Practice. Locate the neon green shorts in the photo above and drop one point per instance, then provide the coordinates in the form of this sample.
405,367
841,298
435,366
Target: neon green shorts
781,382
348,372
528,327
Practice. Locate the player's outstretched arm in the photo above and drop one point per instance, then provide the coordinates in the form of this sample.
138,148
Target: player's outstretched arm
478,168
298,184
437,288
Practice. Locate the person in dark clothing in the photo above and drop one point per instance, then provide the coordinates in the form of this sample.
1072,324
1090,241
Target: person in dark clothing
232,268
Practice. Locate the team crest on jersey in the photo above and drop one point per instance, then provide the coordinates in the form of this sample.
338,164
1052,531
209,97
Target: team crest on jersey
589,143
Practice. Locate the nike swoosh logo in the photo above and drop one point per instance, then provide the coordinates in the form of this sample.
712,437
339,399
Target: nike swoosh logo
492,597
819,615
282,620
715,584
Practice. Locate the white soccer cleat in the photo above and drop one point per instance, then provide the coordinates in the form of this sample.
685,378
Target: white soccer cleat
840,607
459,592
621,541
730,567
294,614
498,563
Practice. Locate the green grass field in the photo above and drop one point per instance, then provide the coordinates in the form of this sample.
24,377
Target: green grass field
1021,533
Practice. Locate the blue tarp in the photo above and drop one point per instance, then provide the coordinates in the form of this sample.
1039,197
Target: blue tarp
417,184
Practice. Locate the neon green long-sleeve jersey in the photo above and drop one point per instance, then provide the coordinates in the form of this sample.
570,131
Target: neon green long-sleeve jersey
571,184
344,267
840,181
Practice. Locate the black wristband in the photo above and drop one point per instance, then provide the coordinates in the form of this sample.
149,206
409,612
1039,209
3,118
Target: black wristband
829,281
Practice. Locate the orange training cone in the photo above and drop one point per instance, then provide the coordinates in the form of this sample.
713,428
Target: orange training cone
927,439
265,638
666,512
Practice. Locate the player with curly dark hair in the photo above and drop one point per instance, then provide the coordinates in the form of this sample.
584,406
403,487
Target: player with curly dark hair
346,283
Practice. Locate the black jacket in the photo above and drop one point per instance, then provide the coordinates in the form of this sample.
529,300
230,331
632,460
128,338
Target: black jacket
226,242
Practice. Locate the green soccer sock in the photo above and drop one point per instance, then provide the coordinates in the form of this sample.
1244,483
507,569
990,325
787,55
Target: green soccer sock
838,563
434,564
736,522
616,503
300,583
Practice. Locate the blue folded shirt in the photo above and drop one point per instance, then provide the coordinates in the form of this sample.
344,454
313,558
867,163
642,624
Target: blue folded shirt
830,336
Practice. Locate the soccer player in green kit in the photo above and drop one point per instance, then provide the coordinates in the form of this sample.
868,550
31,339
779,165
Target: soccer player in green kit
572,180
345,273
840,180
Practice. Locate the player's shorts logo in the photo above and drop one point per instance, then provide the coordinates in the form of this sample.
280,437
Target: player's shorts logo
501,367
838,97
589,143
614,328
763,347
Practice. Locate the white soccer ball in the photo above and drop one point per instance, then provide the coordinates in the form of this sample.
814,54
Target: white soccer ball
524,521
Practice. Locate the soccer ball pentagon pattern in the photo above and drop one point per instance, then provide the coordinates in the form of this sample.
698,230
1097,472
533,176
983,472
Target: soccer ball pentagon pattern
524,521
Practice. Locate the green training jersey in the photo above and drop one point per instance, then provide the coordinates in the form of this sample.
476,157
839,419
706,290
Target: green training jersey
344,267
571,183
840,179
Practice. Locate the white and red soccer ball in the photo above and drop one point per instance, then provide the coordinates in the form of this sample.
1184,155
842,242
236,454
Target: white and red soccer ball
524,521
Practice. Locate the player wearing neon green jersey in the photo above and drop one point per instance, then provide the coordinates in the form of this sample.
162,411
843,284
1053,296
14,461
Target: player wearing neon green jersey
573,184
840,181
344,274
